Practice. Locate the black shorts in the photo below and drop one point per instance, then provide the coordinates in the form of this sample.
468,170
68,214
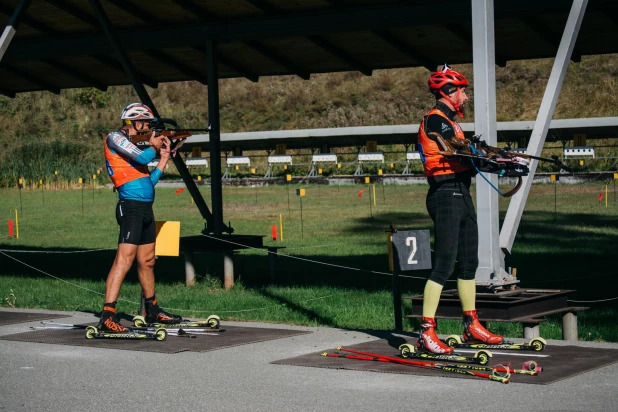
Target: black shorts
137,222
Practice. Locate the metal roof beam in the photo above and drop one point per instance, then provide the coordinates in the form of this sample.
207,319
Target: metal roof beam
239,68
279,59
191,7
321,22
175,64
35,24
406,49
30,77
466,37
136,12
116,65
338,52
264,6
548,35
158,55
75,74
75,12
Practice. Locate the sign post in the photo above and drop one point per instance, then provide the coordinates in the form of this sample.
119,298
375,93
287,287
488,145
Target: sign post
407,250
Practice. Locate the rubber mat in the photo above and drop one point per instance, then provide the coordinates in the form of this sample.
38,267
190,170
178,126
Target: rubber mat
10,317
558,362
233,336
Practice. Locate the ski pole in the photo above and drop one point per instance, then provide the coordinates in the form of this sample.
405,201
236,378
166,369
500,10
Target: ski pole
531,370
445,367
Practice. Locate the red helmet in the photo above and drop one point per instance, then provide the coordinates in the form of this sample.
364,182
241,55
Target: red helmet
444,77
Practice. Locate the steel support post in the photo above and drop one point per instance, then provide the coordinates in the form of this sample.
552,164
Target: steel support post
138,85
544,116
215,136
11,27
490,271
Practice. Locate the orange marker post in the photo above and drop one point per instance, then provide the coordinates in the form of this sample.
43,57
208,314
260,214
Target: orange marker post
273,231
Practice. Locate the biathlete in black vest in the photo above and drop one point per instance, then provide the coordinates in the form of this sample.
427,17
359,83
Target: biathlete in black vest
450,206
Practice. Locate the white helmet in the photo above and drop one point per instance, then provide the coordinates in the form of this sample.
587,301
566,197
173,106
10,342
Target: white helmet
137,111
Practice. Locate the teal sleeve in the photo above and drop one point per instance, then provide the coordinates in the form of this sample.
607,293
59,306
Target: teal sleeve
155,175
147,156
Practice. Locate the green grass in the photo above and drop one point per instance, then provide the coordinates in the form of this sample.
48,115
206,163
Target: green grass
573,249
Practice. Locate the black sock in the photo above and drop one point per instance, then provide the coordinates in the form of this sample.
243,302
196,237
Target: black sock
150,302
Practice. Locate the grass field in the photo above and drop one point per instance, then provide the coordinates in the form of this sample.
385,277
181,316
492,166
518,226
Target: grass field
343,280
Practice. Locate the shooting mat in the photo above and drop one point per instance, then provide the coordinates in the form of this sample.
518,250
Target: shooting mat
10,317
558,362
233,336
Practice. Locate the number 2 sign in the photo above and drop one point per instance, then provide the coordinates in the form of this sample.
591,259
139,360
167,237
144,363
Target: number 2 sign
411,250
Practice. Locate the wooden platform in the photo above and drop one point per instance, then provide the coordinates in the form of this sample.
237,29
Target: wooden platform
526,306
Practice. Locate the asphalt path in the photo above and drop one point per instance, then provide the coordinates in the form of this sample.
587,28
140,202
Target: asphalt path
44,377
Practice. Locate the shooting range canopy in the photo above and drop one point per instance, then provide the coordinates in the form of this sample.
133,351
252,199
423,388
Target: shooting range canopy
59,43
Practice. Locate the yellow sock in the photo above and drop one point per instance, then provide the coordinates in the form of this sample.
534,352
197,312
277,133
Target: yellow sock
467,294
431,298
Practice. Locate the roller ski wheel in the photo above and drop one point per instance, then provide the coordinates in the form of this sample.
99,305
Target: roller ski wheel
158,335
453,341
139,322
536,344
91,332
408,350
213,322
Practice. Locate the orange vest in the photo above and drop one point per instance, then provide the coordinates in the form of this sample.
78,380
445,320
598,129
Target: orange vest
433,162
121,170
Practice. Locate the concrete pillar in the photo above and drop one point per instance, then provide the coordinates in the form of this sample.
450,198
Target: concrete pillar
228,270
531,330
189,269
569,326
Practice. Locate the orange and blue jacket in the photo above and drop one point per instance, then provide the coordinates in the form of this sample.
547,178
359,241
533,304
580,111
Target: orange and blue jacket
127,166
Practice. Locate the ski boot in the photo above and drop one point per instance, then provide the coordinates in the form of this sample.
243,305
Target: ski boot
428,339
481,357
109,322
156,315
474,332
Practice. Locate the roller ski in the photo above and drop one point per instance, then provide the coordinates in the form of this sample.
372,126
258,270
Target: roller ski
213,322
475,336
92,332
536,344
482,357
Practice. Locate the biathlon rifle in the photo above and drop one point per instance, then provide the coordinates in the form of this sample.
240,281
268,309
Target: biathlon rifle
490,159
168,128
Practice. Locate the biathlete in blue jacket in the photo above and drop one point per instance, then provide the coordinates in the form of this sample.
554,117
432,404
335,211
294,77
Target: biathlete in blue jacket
127,166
